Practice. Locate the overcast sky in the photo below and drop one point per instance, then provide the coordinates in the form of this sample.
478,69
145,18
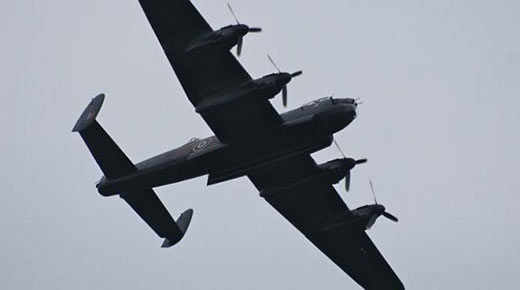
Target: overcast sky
441,85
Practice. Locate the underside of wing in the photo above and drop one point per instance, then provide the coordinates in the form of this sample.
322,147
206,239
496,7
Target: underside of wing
208,74
318,211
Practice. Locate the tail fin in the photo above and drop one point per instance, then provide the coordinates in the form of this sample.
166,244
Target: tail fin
150,208
113,162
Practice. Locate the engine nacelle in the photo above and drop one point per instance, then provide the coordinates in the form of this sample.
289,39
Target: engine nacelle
329,173
265,87
224,38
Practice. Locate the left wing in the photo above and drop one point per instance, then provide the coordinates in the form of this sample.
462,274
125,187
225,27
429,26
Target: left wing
321,215
206,75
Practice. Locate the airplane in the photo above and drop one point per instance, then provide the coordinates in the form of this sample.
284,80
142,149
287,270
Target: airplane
251,139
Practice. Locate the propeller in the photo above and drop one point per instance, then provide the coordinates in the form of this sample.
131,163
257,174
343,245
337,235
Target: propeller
385,213
390,216
284,88
373,191
352,162
241,37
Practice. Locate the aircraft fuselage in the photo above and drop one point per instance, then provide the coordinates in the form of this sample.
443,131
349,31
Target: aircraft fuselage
304,130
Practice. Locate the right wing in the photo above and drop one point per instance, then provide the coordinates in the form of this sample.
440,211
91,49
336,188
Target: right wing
208,75
320,214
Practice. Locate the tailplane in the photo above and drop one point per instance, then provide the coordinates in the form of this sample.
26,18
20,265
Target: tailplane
115,164
110,158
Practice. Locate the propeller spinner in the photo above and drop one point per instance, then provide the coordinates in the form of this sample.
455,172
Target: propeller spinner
383,212
351,164
354,162
284,88
241,37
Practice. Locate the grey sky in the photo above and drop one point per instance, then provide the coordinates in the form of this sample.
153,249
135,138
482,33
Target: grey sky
440,80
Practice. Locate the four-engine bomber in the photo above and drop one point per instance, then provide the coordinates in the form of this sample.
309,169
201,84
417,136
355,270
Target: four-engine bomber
251,139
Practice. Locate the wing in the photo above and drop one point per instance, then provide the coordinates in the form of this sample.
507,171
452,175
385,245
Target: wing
321,215
205,75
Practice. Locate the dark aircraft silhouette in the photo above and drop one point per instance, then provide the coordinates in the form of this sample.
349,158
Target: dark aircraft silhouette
251,139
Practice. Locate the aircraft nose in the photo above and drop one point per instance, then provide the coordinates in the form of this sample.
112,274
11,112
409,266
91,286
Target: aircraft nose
350,111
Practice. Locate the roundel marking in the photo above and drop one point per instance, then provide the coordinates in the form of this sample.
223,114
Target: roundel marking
201,144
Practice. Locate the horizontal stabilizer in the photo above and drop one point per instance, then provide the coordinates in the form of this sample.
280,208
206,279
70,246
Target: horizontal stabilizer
150,208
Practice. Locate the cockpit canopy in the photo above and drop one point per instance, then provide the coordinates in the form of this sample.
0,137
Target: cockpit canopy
332,100
317,102
348,101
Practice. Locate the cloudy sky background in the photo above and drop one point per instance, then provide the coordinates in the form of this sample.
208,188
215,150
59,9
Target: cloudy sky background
440,81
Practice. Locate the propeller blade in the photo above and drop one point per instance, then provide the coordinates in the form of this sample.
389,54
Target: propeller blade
361,161
373,191
255,29
284,96
239,45
233,13
295,74
274,64
339,148
347,180
390,216
371,221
